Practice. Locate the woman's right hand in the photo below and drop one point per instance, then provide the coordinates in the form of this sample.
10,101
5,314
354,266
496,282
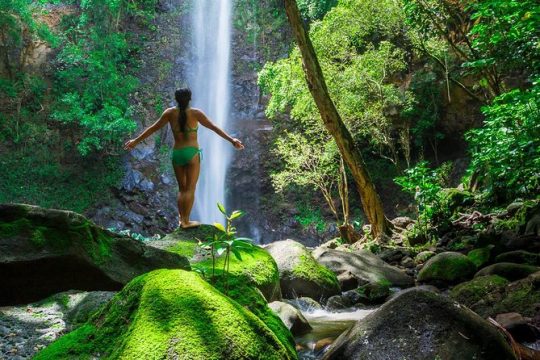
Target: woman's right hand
237,144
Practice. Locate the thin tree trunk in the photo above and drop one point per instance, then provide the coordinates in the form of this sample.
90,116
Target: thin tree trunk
371,202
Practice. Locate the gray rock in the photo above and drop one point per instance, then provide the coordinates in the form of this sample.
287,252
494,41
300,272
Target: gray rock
291,317
300,274
508,271
337,302
519,257
512,208
44,251
365,266
403,221
421,325
424,256
304,304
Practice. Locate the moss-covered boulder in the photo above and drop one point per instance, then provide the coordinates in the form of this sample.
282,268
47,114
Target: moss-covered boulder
480,256
364,265
256,268
522,296
422,325
45,251
454,199
185,242
509,271
300,274
447,268
492,295
474,293
170,314
519,257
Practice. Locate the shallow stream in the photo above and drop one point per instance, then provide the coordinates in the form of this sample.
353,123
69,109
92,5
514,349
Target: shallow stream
327,326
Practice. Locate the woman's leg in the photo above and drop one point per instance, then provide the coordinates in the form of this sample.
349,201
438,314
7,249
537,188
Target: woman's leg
192,176
180,173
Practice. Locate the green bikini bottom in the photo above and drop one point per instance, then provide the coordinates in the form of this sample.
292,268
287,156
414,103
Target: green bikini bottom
184,155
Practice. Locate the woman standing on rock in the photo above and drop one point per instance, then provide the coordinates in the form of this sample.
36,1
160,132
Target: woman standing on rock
186,155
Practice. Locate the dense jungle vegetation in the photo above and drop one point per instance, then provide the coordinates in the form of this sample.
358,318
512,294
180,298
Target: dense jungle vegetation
400,72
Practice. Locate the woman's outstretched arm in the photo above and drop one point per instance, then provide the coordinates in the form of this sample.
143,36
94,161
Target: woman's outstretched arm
130,144
206,122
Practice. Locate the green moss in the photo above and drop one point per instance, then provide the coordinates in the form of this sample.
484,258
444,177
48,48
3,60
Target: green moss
308,268
447,268
185,248
470,292
522,297
251,282
170,314
58,231
257,268
519,220
480,256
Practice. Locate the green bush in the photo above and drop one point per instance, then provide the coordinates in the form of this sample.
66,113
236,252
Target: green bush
506,150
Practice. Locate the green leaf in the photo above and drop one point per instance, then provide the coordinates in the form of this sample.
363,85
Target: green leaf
221,208
236,214
237,254
219,226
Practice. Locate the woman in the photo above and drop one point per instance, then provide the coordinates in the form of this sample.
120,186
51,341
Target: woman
186,158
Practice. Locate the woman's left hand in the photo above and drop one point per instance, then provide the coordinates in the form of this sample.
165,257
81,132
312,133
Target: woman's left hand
237,144
130,145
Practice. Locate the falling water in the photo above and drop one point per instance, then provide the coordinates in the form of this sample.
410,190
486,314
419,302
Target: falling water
210,79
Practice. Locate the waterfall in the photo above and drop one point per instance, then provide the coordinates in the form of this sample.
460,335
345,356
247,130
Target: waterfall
210,84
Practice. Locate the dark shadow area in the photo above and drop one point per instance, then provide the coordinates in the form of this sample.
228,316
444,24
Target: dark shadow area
28,281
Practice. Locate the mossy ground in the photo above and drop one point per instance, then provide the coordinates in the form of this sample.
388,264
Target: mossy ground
173,314
309,269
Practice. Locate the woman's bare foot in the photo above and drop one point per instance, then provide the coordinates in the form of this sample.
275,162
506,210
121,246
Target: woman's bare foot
190,224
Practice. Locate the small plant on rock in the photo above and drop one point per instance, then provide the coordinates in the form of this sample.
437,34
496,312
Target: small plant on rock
225,242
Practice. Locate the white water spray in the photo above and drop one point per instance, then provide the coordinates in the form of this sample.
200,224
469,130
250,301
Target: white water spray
210,85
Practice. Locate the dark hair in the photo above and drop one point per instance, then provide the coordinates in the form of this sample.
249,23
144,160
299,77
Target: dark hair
183,97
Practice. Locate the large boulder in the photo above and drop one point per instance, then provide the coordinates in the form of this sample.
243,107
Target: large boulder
300,275
492,295
44,251
171,314
509,271
519,257
419,324
291,317
447,268
364,265
476,293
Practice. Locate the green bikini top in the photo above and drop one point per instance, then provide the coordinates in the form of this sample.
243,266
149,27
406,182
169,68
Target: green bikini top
188,130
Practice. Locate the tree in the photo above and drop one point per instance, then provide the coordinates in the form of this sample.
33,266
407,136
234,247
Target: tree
352,157
310,161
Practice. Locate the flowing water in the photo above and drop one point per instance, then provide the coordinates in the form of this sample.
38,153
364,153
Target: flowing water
210,85
327,326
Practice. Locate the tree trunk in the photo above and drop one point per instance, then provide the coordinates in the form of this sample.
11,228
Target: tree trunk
371,202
